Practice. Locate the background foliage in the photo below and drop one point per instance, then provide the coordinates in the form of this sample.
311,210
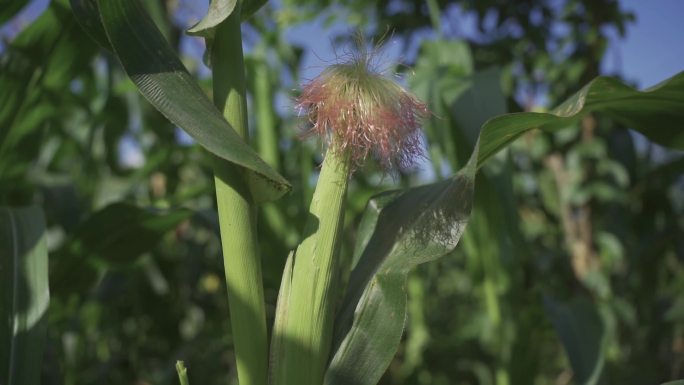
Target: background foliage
576,241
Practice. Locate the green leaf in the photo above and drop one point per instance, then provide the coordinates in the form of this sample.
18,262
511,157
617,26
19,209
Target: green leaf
657,112
24,294
678,382
365,338
250,7
218,11
88,16
400,230
114,236
160,76
582,332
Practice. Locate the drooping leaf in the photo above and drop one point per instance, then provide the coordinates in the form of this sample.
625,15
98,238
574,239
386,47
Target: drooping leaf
160,76
657,112
400,230
582,332
218,11
24,294
114,236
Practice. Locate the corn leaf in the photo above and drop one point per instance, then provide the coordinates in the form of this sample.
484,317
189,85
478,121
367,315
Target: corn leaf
400,230
155,68
370,324
657,112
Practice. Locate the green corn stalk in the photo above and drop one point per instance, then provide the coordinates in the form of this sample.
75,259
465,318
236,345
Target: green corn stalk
237,213
308,328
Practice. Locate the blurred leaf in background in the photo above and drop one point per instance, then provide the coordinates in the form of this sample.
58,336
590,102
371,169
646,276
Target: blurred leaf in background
25,294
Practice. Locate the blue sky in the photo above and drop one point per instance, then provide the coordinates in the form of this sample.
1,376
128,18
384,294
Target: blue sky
653,49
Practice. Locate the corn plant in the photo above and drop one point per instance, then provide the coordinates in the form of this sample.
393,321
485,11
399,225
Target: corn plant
334,323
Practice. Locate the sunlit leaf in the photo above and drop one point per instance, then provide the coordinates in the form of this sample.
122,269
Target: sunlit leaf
657,112
400,230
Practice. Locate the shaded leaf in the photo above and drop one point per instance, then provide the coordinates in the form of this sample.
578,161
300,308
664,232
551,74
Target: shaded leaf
406,228
582,332
88,16
114,236
25,296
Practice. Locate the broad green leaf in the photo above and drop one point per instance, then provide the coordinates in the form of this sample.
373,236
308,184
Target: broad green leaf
88,16
582,332
371,343
400,230
678,382
114,236
24,294
657,112
161,77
